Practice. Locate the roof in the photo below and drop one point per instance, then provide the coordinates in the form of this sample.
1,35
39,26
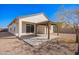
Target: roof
13,21
43,22
46,22
20,17
29,15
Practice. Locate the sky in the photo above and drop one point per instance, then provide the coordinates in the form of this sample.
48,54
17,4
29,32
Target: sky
10,11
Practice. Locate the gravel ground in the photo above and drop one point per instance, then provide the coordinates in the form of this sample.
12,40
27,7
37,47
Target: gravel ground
52,48
10,45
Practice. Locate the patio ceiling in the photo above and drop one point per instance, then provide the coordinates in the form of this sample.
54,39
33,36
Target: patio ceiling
46,22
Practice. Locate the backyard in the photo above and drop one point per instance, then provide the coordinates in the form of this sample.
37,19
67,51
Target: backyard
11,45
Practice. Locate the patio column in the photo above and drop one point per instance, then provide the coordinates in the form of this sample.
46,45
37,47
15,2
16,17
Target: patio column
35,29
57,30
46,29
20,28
49,30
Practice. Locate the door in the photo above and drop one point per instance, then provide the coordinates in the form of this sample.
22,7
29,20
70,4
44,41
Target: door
29,28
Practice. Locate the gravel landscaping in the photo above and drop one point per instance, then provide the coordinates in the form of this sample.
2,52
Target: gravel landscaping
10,45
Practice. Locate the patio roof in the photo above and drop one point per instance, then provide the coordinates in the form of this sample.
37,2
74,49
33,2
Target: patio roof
21,17
46,22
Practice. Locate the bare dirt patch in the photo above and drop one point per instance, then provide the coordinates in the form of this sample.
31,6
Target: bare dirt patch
13,46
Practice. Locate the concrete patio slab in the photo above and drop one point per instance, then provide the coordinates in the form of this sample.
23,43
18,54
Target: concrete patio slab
39,39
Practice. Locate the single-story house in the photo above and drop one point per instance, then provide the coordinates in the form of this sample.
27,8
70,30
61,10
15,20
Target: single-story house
31,24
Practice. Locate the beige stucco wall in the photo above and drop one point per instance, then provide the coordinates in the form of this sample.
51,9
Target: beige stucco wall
44,29
24,26
41,29
11,28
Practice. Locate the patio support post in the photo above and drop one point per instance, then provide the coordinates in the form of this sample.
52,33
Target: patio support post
49,30
57,30
35,29
46,29
20,28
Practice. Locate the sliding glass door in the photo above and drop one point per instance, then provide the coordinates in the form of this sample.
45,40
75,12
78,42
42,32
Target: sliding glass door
29,28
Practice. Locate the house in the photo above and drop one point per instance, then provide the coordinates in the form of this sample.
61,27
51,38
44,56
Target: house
31,24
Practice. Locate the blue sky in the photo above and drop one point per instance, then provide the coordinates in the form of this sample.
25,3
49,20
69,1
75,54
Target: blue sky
10,11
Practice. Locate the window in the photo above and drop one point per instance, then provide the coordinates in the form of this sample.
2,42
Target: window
29,28
14,27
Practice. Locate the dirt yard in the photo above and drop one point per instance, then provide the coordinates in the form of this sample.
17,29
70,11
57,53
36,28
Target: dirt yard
10,45
64,37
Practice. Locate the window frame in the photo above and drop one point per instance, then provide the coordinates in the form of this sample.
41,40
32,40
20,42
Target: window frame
29,30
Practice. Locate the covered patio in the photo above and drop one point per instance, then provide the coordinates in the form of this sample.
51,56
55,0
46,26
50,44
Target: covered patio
36,39
48,27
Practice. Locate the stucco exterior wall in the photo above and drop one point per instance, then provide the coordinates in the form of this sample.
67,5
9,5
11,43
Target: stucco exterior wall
41,29
13,28
24,26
